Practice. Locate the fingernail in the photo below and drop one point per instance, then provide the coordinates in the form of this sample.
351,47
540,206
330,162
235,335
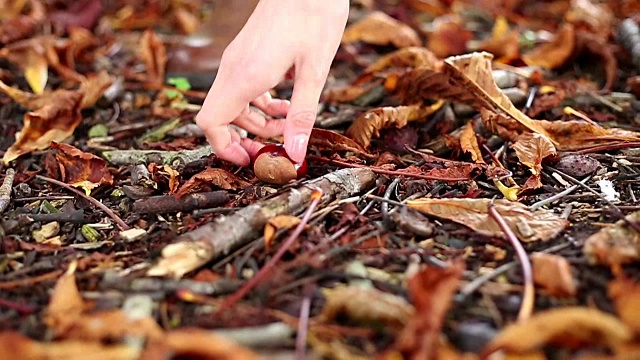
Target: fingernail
299,147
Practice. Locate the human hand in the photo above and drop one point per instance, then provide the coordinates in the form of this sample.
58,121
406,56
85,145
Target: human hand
279,34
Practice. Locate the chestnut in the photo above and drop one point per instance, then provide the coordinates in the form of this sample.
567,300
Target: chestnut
273,165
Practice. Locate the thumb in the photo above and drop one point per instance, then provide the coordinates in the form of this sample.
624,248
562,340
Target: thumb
302,114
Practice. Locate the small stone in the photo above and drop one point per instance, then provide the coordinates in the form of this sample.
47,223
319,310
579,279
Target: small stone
578,166
473,336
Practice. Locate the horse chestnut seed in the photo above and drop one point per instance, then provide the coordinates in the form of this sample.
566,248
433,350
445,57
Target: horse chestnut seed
273,165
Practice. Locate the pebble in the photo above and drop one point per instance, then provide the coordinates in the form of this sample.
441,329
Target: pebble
473,336
578,166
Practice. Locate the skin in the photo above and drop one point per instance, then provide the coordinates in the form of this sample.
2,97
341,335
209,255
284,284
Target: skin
279,35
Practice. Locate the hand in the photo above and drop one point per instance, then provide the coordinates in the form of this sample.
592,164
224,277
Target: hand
279,34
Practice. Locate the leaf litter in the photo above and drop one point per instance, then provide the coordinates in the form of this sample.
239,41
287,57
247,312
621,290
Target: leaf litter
437,113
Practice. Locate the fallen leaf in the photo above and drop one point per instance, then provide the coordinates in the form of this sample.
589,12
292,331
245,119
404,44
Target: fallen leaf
154,55
625,293
65,305
81,169
553,273
532,149
379,28
431,290
36,71
473,213
469,143
17,346
366,306
555,53
614,245
565,327
280,222
409,57
503,43
597,16
449,36
331,140
212,177
46,232
53,122
369,124
195,344
566,135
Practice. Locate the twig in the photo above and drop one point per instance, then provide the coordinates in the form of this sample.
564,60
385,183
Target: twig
384,206
21,308
557,196
233,299
163,204
127,157
476,283
228,233
121,224
616,210
5,189
387,172
528,296
303,327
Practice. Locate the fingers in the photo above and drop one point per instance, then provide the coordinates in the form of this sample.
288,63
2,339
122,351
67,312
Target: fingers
302,114
256,124
270,106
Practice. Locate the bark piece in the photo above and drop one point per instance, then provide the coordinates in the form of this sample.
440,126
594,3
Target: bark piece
197,247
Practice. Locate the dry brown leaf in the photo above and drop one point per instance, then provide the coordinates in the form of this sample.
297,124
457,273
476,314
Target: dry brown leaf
614,245
553,273
370,123
280,222
331,140
56,115
379,28
531,149
473,73
409,57
555,53
432,291
366,306
597,16
53,122
473,213
566,135
81,169
212,176
565,327
195,344
17,346
469,143
449,36
154,55
625,293
65,305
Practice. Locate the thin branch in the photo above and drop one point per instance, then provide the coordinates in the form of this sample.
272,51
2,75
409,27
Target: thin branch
528,296
316,196
121,224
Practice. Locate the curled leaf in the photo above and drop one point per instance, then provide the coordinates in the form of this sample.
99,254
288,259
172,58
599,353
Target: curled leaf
409,57
469,143
280,222
565,327
81,169
212,177
370,123
553,273
379,28
555,53
328,139
473,213
154,55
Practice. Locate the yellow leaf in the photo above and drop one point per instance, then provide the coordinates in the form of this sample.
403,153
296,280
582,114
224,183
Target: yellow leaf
279,222
36,71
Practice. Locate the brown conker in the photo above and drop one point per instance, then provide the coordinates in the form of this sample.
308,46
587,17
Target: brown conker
273,165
